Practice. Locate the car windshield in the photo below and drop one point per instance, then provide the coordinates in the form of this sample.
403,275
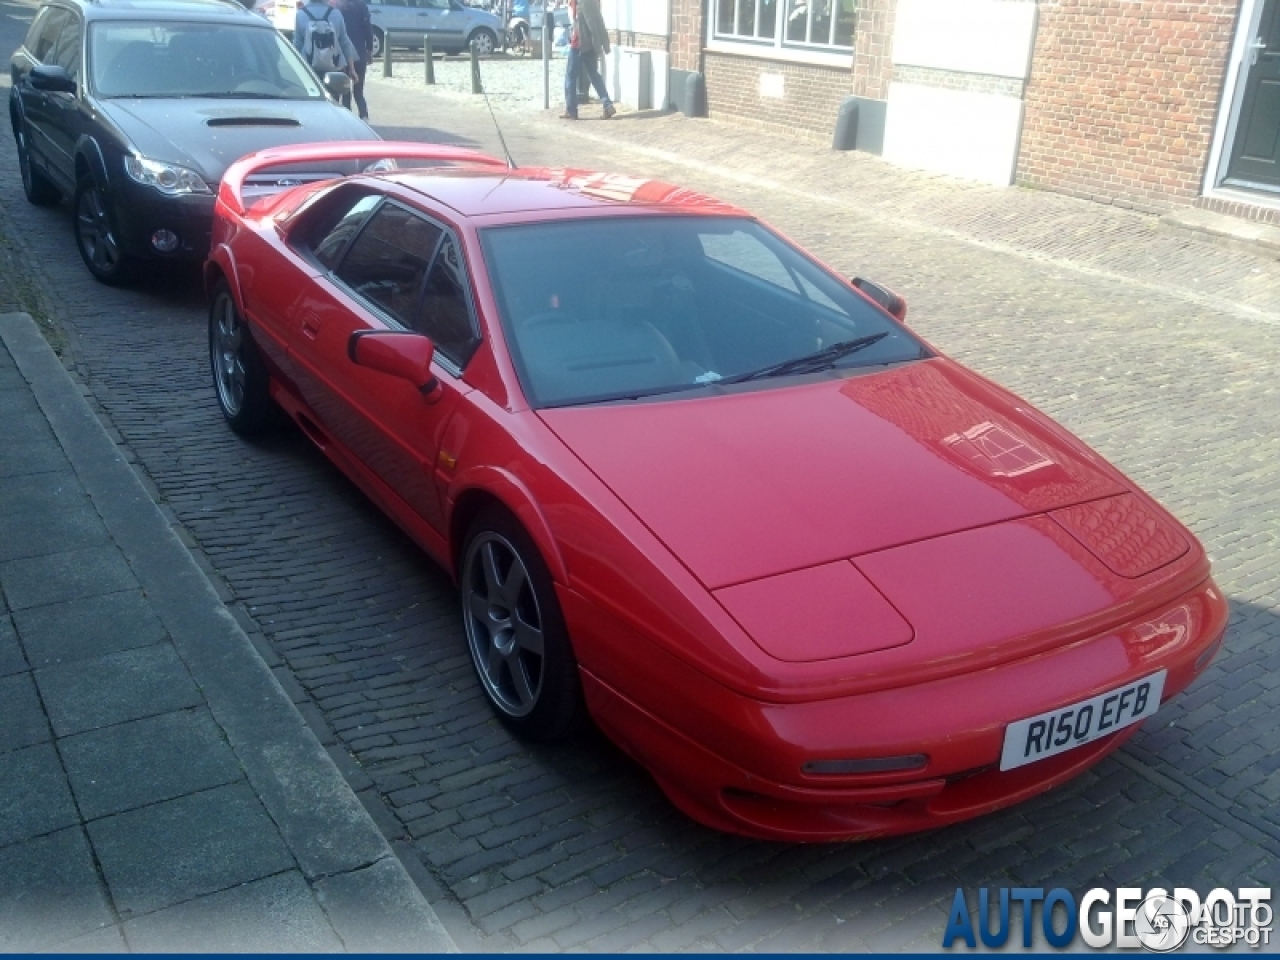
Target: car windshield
627,307
176,59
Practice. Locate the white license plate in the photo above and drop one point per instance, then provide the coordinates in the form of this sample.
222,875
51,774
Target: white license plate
1058,731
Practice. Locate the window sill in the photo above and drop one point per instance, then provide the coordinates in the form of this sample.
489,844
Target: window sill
782,54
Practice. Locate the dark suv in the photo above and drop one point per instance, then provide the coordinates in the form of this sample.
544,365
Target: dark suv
135,108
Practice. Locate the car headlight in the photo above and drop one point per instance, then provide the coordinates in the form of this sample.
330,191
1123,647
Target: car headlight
169,178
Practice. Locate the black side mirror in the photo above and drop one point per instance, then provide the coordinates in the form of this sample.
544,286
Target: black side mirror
337,83
51,79
893,304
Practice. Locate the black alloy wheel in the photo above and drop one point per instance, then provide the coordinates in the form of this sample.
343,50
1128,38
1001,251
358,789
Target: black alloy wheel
38,188
96,236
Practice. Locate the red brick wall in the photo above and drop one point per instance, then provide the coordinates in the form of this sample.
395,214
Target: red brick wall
873,46
686,34
812,94
1122,98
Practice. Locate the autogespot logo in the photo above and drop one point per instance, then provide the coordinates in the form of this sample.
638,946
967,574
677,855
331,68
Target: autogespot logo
1128,918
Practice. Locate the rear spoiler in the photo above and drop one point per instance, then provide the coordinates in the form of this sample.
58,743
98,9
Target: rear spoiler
232,189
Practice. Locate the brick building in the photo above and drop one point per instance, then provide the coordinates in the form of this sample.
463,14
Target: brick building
1152,104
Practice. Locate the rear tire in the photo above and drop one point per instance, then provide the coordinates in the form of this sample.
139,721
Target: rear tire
377,43
484,41
240,379
516,632
38,188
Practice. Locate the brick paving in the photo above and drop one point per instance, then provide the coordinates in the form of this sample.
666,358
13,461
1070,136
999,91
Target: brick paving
1157,349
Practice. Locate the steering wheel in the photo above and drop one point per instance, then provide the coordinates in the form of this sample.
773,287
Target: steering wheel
247,78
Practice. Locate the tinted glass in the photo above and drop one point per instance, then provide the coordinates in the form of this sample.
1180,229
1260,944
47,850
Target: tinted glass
626,307
445,317
337,225
137,59
45,32
66,52
388,261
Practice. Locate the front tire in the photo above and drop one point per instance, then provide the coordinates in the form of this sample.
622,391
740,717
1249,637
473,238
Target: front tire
240,379
377,43
484,41
516,632
38,188
96,236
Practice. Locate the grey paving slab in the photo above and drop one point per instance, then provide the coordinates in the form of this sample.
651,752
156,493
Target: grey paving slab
103,940
277,914
87,694
50,893
22,720
46,513
145,761
377,909
181,849
28,445
81,629
11,656
34,796
69,575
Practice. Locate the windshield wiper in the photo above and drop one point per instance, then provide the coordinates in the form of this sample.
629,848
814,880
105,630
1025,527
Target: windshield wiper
811,362
234,95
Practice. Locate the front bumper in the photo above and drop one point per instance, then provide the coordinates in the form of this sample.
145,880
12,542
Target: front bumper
735,764
140,211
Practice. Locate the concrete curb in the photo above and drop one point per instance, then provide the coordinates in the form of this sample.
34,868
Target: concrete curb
369,897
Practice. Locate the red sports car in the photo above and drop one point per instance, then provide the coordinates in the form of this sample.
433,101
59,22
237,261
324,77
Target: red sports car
820,580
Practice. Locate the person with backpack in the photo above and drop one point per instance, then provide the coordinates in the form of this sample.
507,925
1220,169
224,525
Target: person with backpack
320,35
355,13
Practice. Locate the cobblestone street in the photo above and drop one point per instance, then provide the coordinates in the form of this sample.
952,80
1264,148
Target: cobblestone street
1158,349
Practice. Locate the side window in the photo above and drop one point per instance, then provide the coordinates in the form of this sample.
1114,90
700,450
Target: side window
50,27
37,26
336,227
388,260
444,316
66,52
745,253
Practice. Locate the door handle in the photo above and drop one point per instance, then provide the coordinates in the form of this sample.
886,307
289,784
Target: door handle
1255,48
311,326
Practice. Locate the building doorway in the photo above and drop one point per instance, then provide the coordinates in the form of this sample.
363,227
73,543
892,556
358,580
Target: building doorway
1254,160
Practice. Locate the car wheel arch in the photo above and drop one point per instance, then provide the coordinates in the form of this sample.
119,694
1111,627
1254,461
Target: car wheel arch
221,265
491,487
90,162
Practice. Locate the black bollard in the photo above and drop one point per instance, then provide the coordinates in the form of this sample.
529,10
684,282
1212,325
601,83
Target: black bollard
428,60
386,54
475,71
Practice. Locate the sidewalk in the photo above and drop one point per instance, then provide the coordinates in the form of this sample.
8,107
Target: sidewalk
158,791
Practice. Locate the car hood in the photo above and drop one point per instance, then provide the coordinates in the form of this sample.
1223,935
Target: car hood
752,484
208,135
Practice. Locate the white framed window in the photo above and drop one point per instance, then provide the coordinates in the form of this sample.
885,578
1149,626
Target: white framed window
816,26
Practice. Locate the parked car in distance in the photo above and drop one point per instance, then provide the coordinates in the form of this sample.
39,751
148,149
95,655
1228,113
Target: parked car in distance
174,91
820,580
452,26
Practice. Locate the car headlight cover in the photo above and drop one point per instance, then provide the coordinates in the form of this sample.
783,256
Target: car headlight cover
169,178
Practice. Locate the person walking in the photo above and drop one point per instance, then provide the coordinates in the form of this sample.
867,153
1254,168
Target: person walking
320,35
587,41
355,13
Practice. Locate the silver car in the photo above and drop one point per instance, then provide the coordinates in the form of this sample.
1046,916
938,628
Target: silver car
452,26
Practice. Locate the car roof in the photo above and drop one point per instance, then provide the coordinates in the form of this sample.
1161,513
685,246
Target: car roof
194,10
484,192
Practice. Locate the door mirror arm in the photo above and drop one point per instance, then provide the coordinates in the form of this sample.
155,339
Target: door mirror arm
403,354
51,79
893,304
